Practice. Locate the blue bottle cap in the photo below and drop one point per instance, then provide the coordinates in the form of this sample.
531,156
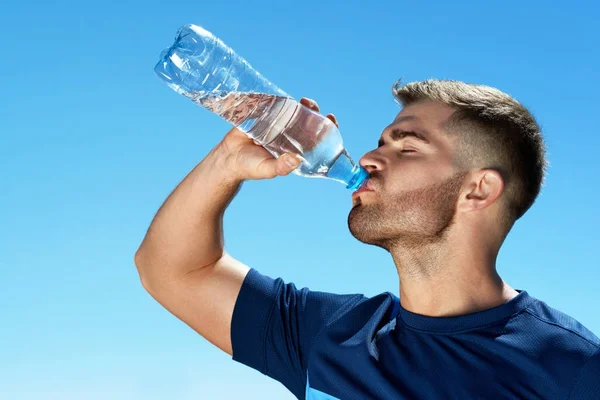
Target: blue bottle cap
358,179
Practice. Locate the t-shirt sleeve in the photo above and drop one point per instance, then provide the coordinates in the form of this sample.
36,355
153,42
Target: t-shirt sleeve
587,386
274,325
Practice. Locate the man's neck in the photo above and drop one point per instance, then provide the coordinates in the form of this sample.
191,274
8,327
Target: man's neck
443,279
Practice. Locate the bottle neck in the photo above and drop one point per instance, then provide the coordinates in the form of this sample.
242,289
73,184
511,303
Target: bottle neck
344,170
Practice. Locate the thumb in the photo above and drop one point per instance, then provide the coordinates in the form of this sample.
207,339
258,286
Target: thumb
285,164
281,166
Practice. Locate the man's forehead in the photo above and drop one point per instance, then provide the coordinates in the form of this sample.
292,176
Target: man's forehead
428,114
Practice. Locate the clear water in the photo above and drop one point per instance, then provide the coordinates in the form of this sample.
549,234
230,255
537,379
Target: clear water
282,125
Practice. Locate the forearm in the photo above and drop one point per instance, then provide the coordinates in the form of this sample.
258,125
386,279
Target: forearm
187,232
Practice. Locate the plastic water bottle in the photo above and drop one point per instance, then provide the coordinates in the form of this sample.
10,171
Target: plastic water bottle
205,70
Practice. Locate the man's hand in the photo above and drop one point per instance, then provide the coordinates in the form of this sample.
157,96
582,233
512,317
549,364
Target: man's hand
247,159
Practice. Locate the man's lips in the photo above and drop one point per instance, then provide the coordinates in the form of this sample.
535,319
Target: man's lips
366,188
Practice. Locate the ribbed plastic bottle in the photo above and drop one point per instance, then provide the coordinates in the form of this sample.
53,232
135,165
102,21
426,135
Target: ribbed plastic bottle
205,70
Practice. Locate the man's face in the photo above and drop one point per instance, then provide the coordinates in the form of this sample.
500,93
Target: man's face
414,184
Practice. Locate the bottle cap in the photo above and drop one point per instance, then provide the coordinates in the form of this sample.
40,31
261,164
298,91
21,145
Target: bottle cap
358,179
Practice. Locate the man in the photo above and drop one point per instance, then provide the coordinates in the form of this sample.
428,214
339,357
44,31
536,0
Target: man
452,173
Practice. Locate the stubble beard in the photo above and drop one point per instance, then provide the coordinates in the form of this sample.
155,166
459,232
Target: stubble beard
409,220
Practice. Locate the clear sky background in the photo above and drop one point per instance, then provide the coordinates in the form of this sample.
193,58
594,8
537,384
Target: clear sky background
92,142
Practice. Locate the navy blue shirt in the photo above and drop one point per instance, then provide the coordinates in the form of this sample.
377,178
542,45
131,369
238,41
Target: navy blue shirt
330,346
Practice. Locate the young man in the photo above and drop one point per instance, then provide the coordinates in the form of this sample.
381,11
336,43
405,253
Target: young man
452,173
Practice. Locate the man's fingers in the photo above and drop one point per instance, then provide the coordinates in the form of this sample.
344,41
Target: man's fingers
287,163
310,104
333,119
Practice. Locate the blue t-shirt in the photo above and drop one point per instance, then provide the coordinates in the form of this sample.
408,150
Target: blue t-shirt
329,346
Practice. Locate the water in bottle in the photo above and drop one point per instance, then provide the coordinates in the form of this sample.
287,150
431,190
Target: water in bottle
202,68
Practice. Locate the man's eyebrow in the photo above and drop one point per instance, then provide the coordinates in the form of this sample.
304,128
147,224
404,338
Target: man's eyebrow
398,134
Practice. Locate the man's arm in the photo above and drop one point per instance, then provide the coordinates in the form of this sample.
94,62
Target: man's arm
181,261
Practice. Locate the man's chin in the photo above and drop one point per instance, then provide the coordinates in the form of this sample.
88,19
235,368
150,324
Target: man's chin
361,224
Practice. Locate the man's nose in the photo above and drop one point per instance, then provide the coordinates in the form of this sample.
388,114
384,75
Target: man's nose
372,161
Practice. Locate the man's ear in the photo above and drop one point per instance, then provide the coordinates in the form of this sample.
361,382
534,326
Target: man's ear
481,189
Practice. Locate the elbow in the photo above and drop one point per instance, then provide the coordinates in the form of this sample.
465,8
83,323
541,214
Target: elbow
138,259
141,263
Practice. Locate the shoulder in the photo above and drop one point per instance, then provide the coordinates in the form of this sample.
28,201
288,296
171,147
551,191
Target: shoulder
363,320
553,337
570,346
380,307
275,293
560,323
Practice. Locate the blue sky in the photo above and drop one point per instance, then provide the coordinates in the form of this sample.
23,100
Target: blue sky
92,142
